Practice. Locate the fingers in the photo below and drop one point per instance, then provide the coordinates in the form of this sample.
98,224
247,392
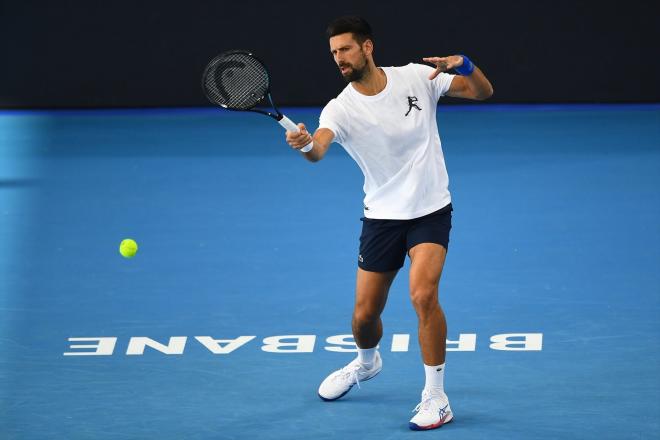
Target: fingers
298,139
441,63
295,137
436,60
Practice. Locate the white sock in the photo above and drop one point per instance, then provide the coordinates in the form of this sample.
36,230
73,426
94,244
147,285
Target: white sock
435,378
366,356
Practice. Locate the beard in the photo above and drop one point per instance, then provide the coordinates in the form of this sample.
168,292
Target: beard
355,73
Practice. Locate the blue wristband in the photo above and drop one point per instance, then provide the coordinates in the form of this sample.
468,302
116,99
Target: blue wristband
466,68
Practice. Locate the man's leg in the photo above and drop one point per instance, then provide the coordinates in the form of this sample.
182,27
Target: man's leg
427,261
370,298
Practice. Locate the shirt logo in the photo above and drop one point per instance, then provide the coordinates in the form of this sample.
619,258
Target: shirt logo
412,102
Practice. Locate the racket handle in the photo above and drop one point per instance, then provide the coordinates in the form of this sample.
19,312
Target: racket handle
291,126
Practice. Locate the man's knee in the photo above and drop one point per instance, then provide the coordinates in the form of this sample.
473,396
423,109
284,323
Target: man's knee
424,298
363,316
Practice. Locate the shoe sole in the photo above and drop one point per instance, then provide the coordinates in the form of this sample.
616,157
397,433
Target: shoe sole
416,427
325,399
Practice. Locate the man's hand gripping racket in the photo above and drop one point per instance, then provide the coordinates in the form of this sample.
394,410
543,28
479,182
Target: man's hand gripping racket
237,80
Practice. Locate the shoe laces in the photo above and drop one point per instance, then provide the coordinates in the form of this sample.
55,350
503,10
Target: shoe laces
430,403
350,373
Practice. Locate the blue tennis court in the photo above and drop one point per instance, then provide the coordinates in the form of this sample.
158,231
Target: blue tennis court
238,302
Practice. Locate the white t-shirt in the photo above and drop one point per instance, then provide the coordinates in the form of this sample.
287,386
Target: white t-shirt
393,137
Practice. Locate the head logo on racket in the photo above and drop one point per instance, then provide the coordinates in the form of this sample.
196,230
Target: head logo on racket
237,80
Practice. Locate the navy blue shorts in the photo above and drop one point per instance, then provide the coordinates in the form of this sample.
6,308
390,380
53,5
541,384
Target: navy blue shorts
385,243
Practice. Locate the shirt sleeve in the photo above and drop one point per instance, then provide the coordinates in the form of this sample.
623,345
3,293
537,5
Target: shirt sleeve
333,118
439,85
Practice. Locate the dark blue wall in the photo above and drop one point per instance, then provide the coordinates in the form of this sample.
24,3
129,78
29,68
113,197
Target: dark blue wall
152,53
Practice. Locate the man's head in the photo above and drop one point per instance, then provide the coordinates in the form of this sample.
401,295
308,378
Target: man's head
351,45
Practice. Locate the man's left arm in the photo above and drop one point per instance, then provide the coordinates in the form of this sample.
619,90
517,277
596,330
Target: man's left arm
471,83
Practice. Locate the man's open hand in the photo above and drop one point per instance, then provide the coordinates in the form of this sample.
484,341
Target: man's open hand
444,64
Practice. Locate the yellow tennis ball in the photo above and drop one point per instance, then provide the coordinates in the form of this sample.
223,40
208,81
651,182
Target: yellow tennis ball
128,248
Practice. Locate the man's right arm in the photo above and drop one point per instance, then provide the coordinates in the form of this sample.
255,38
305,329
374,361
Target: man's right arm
322,139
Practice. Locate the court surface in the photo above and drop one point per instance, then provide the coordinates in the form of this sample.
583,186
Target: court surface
556,232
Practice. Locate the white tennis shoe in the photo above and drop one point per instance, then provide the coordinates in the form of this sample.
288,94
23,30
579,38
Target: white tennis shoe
432,412
341,381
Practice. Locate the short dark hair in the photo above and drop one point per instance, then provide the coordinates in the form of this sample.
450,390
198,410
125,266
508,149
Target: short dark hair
358,26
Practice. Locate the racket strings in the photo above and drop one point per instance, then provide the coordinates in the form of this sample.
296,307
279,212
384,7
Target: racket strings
236,81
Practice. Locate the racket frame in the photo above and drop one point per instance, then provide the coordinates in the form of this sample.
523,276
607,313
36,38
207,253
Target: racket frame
278,115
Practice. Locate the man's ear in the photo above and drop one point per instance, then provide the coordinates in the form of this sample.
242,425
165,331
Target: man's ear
368,46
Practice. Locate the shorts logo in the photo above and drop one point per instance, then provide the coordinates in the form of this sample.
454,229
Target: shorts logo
360,259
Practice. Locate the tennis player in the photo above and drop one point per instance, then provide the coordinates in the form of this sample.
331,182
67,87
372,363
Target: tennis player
385,119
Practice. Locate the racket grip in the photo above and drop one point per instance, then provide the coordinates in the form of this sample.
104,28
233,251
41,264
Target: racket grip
291,126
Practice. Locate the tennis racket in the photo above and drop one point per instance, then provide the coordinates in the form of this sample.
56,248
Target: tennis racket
237,80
